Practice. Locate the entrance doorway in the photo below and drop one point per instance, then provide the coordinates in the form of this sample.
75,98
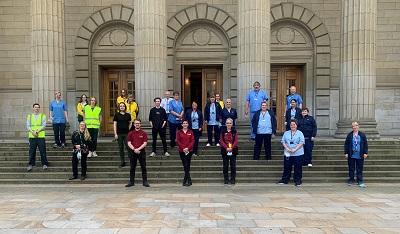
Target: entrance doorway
282,77
114,80
199,83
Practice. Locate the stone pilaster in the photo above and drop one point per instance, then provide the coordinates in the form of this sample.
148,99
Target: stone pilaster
150,51
253,47
48,51
358,69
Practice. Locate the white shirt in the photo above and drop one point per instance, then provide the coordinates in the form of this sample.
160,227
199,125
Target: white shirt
165,104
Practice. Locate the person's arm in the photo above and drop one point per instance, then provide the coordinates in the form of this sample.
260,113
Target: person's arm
346,146
314,124
66,112
300,102
44,120
151,118
115,129
28,123
222,141
301,143
246,112
191,142
365,147
235,141
51,112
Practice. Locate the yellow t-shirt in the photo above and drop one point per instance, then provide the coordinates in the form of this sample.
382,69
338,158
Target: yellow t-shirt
133,109
79,108
221,103
122,99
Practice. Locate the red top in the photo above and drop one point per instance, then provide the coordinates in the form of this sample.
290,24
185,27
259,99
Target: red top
226,138
185,140
137,138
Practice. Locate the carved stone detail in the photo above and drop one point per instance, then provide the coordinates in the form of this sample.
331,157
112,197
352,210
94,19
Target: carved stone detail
201,37
118,37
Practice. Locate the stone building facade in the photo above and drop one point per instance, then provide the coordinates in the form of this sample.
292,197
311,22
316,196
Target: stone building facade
344,56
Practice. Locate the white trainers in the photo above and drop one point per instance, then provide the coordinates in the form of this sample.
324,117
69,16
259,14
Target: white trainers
152,154
90,154
95,154
208,144
309,165
167,154
217,144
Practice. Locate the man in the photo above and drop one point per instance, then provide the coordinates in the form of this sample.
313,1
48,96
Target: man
253,102
264,126
292,113
93,120
158,123
219,100
59,118
295,96
175,117
212,117
123,97
137,141
356,151
36,124
165,101
228,112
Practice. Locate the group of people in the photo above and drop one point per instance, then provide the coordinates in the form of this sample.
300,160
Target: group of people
185,130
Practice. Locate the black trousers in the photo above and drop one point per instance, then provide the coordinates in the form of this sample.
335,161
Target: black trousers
133,158
80,118
308,148
196,134
288,163
356,165
59,133
210,130
75,162
41,144
94,132
186,159
260,139
121,144
226,162
172,132
162,132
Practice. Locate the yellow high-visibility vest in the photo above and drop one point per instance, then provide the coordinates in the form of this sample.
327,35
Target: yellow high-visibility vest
36,125
92,116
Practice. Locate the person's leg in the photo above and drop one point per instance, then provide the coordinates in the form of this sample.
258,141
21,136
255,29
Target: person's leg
352,164
267,146
225,164
310,151
74,165
196,133
94,138
32,151
257,146
252,135
232,161
91,132
62,133
298,169
216,134
142,161
306,157
56,129
42,149
121,144
188,161
132,161
182,156
83,165
209,134
162,133
154,133
172,134
359,170
287,169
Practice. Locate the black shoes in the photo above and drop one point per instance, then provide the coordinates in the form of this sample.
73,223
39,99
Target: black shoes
187,181
122,165
233,181
129,185
298,184
83,177
146,184
73,178
282,182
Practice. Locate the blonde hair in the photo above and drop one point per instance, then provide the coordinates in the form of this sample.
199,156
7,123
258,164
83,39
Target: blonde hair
86,132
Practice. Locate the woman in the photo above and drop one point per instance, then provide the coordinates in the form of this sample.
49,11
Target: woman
292,141
80,106
229,150
81,140
132,107
212,117
195,119
185,141
93,120
308,127
122,124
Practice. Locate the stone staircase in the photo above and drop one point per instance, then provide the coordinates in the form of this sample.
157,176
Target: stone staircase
383,164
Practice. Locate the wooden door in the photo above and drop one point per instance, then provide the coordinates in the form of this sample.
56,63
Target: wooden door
114,80
212,83
282,77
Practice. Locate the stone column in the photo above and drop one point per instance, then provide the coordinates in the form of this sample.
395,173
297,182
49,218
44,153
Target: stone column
253,48
150,51
357,67
48,51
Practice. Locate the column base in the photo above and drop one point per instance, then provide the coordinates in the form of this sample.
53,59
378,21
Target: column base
369,127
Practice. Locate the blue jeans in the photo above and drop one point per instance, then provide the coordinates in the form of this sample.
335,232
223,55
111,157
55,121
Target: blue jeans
59,133
41,144
356,165
288,163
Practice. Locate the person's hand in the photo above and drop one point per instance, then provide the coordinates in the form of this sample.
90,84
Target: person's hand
229,149
77,146
136,151
273,136
116,136
185,150
312,138
365,155
246,113
346,156
200,129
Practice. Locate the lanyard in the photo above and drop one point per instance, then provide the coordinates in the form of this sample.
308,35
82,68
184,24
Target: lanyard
292,135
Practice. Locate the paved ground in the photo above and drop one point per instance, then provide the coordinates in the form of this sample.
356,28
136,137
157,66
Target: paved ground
207,209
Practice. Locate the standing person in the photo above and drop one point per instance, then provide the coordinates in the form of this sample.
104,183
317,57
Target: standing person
308,127
253,103
158,123
59,118
228,112
229,150
356,151
185,141
132,107
93,120
80,106
137,141
80,140
292,113
36,124
122,124
264,126
218,99
212,116
165,101
292,141
294,95
175,117
195,119
123,97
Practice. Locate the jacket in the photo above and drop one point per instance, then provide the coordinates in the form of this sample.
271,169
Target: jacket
288,117
78,138
348,144
185,140
224,143
256,118
207,111
225,114
188,117
307,126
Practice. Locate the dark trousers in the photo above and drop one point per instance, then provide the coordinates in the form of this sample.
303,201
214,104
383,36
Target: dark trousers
226,162
75,162
80,118
41,144
186,159
94,132
172,132
162,133
308,148
260,139
133,158
356,165
210,130
288,163
121,144
196,134
59,133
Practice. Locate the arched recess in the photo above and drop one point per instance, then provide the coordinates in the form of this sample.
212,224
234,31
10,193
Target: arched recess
105,38
298,36
202,34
